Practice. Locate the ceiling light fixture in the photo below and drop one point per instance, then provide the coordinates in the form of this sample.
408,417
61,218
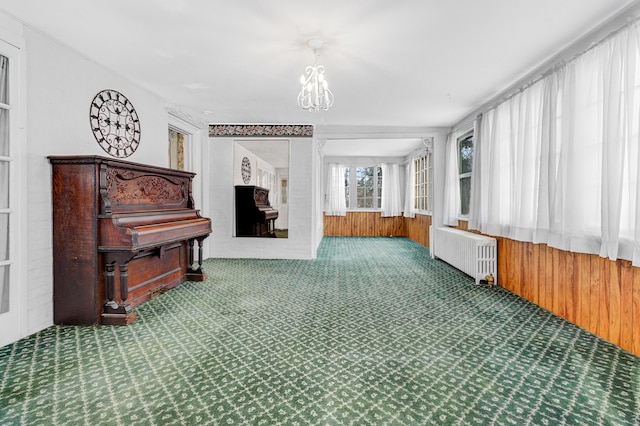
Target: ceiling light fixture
314,91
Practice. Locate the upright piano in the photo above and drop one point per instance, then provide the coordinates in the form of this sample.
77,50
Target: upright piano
254,215
123,233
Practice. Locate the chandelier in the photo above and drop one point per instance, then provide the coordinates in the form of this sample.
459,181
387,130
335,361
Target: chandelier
314,91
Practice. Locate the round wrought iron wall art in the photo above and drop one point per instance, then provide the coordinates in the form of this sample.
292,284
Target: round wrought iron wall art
115,123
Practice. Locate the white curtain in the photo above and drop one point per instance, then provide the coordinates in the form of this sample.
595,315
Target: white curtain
475,201
508,165
451,204
557,162
336,202
410,189
391,197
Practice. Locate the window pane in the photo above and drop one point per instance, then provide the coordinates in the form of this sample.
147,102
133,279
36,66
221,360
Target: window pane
4,185
465,152
4,132
4,289
364,176
379,188
4,236
347,191
465,192
4,79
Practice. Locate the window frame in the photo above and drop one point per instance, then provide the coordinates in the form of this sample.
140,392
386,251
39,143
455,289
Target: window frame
464,175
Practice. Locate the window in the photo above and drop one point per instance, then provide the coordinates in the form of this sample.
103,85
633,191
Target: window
266,179
465,161
176,149
363,187
423,182
347,186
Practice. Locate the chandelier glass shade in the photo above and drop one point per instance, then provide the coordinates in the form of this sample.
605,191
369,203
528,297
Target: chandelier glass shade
314,89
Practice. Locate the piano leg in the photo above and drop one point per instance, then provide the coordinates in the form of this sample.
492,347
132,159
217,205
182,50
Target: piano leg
124,281
113,312
271,228
111,287
196,274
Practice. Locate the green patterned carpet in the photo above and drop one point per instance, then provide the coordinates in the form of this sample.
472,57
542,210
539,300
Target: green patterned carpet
373,332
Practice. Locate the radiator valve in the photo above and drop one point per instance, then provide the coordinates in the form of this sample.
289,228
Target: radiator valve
490,280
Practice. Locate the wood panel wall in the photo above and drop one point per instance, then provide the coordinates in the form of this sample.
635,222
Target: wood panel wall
363,224
418,229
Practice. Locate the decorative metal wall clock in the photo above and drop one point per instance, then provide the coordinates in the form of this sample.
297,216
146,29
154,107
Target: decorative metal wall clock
245,169
115,124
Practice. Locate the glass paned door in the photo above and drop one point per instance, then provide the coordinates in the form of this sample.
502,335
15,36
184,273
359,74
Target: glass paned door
9,310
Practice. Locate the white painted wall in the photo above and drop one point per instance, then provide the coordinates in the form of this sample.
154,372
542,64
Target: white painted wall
318,199
222,243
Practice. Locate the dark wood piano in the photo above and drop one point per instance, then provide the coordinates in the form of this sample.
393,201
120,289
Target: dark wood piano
254,215
122,233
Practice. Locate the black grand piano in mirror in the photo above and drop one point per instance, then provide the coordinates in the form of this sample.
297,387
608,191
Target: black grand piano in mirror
254,215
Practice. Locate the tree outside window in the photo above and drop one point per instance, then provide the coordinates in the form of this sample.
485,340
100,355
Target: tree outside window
363,187
347,186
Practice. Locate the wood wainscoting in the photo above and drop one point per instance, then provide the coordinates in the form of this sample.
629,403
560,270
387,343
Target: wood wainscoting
597,294
371,224
363,224
417,229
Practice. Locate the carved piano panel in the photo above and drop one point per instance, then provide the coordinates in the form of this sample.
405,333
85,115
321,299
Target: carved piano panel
122,233
254,215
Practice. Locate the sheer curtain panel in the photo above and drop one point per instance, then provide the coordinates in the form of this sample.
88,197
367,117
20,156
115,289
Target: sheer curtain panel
557,162
451,204
391,200
409,189
336,203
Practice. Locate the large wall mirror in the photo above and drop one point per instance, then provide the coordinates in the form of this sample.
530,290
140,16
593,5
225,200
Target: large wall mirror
261,185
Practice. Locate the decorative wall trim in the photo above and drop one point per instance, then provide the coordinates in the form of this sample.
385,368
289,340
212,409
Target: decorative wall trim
261,130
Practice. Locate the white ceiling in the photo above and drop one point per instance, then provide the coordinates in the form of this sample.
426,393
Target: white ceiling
400,63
